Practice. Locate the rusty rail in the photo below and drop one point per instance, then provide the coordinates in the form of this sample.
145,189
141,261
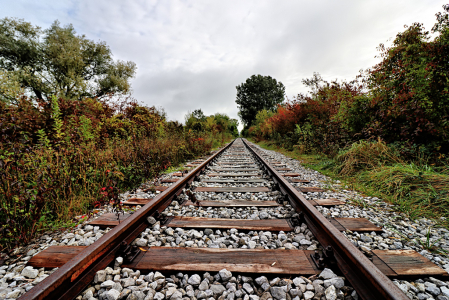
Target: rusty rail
369,282
69,280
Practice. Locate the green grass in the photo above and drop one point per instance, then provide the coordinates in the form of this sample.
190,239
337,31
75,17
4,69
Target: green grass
370,168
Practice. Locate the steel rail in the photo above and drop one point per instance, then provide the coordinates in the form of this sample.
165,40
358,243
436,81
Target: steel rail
70,279
369,282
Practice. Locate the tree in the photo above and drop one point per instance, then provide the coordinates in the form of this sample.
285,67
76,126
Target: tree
57,61
257,93
195,120
410,87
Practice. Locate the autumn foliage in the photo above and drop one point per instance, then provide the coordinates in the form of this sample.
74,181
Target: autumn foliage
59,158
403,100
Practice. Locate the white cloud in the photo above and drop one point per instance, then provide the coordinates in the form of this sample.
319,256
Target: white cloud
192,54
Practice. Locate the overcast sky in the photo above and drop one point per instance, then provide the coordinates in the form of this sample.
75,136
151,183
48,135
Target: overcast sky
192,54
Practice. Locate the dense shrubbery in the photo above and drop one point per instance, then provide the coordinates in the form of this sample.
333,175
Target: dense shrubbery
60,158
404,100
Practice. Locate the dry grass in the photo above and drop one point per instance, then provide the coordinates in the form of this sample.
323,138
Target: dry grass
365,155
374,169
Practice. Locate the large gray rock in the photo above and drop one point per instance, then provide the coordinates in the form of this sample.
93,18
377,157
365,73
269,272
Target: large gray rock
433,289
261,280
141,242
195,279
89,294
248,288
176,295
298,280
170,291
100,276
278,292
127,282
295,292
204,285
201,295
107,284
308,295
337,282
29,272
225,275
158,276
14,294
111,294
367,239
327,274
445,291
331,293
217,289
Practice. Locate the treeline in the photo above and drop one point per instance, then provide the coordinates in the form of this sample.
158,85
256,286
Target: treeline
218,125
403,100
70,138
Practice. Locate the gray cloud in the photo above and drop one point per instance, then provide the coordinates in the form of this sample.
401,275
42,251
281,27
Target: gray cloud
192,54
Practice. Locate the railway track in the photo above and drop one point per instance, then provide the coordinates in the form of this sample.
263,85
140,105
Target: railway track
222,217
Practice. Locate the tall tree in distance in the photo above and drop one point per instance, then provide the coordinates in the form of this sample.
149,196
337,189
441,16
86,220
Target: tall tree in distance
256,93
57,61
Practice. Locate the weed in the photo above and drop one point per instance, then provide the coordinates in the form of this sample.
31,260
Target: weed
359,202
430,245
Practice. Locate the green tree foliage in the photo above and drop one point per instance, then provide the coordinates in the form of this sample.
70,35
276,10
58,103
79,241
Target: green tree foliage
213,124
410,87
57,61
195,120
256,93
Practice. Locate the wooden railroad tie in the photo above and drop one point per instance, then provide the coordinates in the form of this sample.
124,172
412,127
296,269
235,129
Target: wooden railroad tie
236,180
240,224
169,180
234,175
232,203
311,189
233,163
257,189
295,180
178,174
342,224
159,188
326,202
282,169
393,263
136,201
246,203
291,174
235,169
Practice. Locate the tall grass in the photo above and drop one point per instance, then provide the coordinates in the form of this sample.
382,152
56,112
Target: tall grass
416,190
374,168
363,155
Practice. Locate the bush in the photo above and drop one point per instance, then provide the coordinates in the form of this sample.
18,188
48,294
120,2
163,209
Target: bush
62,158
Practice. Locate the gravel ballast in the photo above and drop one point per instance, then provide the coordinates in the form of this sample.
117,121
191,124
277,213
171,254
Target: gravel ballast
122,283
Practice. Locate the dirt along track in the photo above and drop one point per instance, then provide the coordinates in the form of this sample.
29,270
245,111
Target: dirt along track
246,228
